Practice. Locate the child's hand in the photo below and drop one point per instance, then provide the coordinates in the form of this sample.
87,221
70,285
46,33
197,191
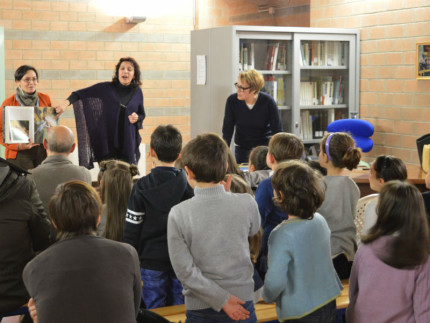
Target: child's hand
227,184
234,309
32,310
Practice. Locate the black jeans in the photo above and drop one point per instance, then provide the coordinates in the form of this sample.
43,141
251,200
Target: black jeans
325,314
241,154
342,266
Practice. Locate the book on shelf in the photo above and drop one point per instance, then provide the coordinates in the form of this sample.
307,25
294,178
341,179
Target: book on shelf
313,124
22,124
274,60
271,87
281,101
322,91
276,57
245,58
323,53
282,59
251,60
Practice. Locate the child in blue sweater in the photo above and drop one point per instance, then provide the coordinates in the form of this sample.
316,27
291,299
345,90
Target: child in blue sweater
300,277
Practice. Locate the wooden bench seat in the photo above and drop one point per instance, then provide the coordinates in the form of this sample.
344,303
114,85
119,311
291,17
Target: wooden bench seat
265,312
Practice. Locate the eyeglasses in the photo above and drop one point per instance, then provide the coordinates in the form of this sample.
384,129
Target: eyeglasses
241,88
34,80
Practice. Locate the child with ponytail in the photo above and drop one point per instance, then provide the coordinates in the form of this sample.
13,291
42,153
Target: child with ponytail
338,152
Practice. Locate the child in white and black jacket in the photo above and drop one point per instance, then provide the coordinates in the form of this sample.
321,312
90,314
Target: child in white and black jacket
145,228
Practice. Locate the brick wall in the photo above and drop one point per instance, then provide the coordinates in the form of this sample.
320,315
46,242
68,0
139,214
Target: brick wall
391,97
74,44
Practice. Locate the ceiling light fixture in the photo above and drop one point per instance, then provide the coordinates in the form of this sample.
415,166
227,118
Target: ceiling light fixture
135,19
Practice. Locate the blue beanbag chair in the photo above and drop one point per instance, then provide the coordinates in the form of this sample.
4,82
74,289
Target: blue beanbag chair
360,131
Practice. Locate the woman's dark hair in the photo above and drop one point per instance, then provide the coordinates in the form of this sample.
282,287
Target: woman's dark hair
136,81
75,208
401,215
22,70
115,190
257,157
390,168
300,189
342,150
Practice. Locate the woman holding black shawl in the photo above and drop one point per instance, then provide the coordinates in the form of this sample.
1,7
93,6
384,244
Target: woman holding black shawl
108,116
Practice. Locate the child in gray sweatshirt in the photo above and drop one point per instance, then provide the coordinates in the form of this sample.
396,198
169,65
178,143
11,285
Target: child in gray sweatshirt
208,238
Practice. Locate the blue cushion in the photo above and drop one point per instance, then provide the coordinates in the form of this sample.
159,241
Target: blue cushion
366,144
356,127
360,131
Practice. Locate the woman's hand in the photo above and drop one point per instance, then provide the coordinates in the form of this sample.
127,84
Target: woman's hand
26,146
60,108
32,310
133,118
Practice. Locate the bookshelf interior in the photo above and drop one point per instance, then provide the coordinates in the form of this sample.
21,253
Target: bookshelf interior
312,74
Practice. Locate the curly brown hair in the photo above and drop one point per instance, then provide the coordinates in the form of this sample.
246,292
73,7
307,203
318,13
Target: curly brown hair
136,67
300,190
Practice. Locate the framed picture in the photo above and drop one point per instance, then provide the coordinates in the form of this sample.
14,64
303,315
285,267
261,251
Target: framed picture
423,61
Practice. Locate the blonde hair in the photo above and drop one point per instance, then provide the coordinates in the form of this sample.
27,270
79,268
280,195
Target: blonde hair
254,80
115,190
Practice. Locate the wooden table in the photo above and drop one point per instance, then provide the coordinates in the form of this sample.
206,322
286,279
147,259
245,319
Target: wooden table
361,176
265,312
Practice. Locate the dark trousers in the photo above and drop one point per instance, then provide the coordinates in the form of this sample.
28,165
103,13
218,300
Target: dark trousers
325,314
241,154
342,266
209,315
160,288
30,158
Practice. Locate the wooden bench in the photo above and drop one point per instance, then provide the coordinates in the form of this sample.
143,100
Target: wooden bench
265,312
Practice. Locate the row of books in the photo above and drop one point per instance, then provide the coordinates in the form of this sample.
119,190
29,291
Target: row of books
324,53
275,56
276,88
247,57
323,91
313,123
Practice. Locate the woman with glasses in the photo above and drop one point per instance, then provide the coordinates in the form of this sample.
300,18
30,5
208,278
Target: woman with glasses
253,114
25,155
109,115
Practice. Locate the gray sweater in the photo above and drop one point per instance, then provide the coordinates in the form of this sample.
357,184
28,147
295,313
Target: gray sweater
208,246
339,209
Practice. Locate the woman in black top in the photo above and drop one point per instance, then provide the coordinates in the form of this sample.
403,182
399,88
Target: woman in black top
253,114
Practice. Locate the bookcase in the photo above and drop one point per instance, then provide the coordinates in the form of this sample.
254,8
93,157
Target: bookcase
312,73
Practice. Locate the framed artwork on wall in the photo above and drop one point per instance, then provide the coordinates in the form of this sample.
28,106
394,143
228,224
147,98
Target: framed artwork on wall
423,61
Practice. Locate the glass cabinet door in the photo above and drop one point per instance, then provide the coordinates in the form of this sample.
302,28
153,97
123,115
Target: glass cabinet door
272,57
324,90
